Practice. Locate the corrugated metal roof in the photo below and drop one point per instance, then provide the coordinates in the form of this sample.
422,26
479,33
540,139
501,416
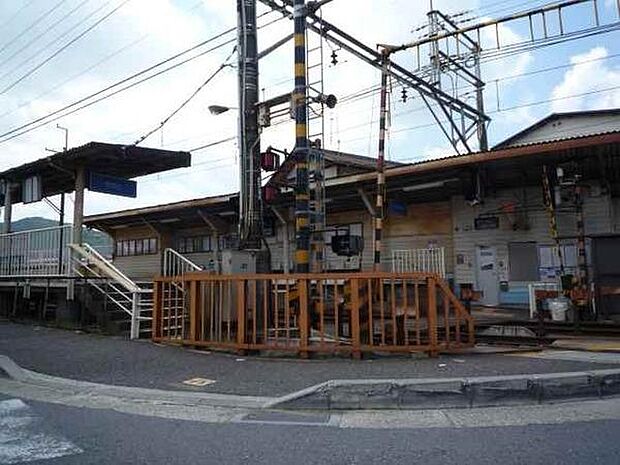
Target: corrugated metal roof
193,203
581,131
424,166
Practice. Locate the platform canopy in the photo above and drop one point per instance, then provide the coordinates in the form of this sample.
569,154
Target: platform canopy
57,172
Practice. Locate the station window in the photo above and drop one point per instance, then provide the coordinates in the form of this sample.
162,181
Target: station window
133,247
194,244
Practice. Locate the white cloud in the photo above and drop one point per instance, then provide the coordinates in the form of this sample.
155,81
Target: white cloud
587,76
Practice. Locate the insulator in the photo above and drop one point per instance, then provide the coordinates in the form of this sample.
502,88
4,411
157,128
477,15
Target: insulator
334,57
404,96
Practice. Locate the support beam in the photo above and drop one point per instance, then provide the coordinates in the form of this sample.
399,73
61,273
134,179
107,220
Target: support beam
78,208
274,46
367,202
8,207
61,239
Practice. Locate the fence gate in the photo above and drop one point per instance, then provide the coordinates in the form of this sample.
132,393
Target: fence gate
323,313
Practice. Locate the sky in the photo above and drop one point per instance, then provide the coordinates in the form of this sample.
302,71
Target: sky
55,52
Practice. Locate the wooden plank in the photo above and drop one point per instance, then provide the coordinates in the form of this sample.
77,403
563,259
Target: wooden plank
382,310
393,305
241,316
406,307
446,318
371,331
254,303
336,315
320,284
193,310
432,316
355,319
266,299
303,318
207,276
157,310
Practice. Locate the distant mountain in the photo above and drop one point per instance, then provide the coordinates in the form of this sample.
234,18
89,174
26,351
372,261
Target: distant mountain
95,238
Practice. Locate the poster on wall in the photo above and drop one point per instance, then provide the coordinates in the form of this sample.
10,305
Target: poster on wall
486,222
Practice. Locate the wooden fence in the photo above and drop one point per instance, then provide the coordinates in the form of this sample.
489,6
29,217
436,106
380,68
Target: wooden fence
303,313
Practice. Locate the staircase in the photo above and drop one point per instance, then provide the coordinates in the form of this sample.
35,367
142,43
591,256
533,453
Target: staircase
119,291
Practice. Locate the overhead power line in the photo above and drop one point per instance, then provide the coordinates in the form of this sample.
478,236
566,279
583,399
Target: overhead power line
31,25
64,47
212,144
187,100
127,79
53,41
75,76
16,14
504,110
43,32
84,102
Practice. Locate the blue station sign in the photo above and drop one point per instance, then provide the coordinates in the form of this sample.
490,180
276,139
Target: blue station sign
114,185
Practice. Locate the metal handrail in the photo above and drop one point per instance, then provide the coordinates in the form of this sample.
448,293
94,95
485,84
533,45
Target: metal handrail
416,260
175,262
87,251
50,228
35,252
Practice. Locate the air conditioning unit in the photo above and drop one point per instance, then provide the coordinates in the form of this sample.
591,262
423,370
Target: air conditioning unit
347,245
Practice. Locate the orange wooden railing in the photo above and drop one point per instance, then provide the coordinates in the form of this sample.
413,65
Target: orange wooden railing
326,313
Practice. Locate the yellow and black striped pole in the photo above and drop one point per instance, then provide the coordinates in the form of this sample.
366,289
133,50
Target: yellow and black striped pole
380,203
582,265
302,195
553,225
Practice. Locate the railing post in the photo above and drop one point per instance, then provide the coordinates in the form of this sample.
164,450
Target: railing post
303,316
157,313
241,316
135,315
431,290
355,319
193,310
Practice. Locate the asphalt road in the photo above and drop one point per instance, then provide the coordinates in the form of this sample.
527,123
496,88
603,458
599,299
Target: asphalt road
101,436
110,360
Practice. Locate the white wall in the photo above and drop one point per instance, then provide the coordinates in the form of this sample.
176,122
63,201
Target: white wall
597,213
572,126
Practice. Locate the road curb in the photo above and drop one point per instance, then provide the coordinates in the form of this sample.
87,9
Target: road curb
441,393
137,394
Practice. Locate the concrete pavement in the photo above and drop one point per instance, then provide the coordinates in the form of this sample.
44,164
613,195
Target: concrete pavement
116,361
566,437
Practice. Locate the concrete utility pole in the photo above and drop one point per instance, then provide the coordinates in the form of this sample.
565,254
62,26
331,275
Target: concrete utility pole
302,195
250,215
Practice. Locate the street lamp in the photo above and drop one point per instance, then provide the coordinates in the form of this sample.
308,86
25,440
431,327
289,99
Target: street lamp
219,109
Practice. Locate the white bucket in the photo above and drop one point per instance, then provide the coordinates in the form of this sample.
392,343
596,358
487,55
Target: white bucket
558,308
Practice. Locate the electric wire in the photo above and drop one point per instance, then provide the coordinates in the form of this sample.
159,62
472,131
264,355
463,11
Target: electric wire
54,41
188,99
43,32
75,76
31,25
64,47
16,14
43,120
